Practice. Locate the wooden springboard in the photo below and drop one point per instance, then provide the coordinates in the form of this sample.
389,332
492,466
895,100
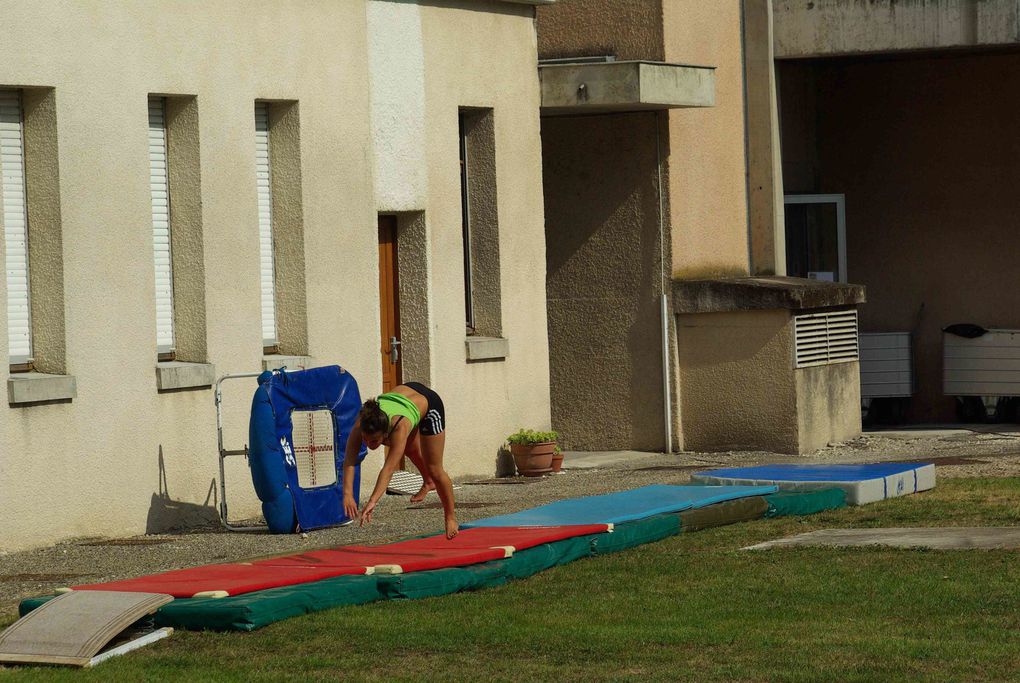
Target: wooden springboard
73,628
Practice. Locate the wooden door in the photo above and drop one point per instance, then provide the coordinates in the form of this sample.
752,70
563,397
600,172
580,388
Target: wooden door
389,302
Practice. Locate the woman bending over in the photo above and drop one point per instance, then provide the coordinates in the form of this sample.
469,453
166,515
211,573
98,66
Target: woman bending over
411,420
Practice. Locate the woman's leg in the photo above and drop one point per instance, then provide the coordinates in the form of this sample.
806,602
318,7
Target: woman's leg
432,451
413,452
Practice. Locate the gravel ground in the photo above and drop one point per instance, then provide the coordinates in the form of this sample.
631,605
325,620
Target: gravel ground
958,453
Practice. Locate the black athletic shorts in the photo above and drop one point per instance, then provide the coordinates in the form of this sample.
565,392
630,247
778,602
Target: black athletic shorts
434,420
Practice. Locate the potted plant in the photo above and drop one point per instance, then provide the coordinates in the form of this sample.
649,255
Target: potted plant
532,451
557,459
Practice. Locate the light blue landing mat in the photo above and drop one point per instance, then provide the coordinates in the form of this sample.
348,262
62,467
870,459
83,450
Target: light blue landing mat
623,506
863,484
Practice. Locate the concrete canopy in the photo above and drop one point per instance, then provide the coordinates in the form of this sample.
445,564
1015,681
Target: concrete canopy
603,87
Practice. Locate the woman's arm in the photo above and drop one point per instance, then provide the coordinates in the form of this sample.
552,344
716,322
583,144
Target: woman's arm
350,462
398,442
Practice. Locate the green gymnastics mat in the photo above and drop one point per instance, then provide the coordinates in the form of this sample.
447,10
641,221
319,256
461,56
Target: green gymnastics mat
251,611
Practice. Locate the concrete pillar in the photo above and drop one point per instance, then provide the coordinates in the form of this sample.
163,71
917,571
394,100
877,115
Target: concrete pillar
766,227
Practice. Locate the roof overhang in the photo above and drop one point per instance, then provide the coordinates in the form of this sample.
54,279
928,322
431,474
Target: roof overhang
607,87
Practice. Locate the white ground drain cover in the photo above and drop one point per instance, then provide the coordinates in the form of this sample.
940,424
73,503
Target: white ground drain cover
936,538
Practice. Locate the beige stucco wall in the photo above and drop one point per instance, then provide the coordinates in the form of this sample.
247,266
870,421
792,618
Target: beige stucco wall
604,274
483,54
828,400
707,186
738,389
92,466
121,458
741,391
462,53
46,261
625,29
925,151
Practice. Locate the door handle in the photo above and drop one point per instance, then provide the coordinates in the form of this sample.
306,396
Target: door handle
394,350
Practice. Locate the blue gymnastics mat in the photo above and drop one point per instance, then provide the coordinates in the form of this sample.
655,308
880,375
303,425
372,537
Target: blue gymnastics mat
624,506
862,483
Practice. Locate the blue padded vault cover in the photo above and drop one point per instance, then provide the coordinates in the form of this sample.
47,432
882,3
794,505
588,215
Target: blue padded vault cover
813,472
286,505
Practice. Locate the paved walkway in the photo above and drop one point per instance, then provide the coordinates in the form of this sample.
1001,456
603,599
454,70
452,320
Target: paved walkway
936,538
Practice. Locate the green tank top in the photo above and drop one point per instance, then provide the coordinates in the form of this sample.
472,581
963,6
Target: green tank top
398,404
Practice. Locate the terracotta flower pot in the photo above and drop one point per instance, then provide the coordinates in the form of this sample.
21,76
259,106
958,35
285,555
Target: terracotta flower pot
533,460
557,461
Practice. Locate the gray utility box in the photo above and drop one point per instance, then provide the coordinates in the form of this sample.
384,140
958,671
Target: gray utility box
886,365
988,365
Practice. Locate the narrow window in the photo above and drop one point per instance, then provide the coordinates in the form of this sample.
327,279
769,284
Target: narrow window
159,190
267,270
281,228
15,226
465,219
480,222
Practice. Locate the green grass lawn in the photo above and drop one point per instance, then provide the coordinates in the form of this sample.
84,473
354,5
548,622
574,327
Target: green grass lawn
693,607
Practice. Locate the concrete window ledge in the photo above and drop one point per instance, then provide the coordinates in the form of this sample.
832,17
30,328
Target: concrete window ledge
292,363
762,293
487,348
173,375
624,86
39,387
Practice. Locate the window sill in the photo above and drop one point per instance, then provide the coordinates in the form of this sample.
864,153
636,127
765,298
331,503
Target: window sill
487,348
276,361
174,375
39,387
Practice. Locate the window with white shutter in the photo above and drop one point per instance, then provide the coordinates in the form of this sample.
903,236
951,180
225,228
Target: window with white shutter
267,270
825,338
15,225
159,188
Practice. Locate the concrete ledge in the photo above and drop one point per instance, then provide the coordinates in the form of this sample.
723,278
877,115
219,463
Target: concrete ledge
762,293
487,348
292,363
825,28
606,87
38,387
177,375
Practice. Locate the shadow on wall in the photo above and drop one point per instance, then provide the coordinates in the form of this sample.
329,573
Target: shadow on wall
504,463
167,514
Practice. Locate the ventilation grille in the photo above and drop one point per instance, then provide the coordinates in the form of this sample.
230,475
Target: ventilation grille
823,338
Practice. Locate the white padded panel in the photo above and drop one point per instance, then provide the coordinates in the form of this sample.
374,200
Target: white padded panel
925,477
858,492
314,448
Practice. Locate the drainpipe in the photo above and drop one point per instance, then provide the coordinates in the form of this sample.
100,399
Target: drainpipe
667,402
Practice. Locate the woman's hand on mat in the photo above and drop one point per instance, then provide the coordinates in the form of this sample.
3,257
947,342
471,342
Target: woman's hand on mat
366,513
350,507
452,528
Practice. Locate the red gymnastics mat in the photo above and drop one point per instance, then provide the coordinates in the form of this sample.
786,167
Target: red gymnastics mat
516,537
220,580
471,546
384,560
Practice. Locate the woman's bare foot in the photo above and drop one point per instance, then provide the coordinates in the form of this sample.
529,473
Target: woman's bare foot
423,491
452,528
